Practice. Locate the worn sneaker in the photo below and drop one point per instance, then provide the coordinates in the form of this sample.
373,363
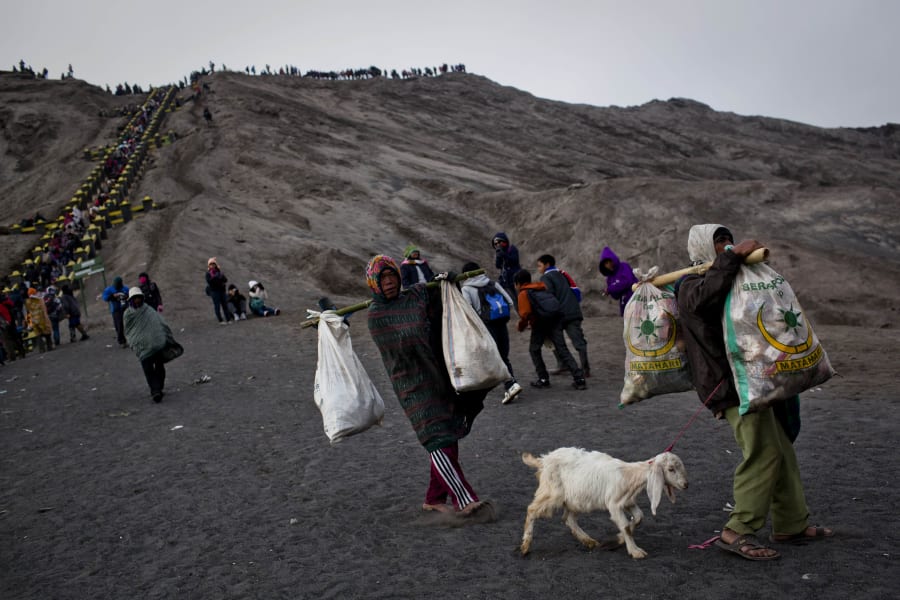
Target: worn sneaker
243,316
277,311
579,384
541,383
513,391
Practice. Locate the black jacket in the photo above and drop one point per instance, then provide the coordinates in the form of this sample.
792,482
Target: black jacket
152,297
409,276
701,304
557,284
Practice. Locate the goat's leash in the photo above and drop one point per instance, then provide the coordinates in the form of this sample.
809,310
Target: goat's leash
705,544
702,406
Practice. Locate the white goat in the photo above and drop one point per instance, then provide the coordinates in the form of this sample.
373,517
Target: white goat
579,482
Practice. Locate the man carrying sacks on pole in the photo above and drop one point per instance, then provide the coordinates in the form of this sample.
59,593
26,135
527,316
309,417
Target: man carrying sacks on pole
768,478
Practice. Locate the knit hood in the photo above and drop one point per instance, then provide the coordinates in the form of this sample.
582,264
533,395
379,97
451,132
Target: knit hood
409,250
374,270
501,236
701,247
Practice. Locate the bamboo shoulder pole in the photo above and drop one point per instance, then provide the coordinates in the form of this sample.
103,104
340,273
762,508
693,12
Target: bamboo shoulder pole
363,305
757,256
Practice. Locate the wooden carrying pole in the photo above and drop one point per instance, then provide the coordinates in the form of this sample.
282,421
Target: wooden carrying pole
363,305
757,256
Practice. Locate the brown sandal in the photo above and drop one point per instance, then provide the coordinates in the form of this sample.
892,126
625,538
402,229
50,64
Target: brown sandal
743,545
819,533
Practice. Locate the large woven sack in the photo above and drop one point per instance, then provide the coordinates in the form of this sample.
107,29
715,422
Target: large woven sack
345,395
655,361
470,352
773,351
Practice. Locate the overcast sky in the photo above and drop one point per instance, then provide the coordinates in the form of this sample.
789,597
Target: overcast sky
824,62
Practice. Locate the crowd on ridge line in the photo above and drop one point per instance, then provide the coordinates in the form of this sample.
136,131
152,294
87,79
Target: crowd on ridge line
404,322
126,89
344,74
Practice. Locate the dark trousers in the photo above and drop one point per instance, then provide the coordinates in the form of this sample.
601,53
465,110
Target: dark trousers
118,317
220,303
576,334
554,333
12,342
155,372
500,333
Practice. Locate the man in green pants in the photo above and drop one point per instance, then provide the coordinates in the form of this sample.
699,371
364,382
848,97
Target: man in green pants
768,478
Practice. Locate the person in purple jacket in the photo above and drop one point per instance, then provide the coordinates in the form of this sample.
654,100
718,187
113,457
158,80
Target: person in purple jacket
619,277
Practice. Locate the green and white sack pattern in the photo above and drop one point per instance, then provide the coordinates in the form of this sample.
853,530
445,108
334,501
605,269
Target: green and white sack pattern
655,362
773,351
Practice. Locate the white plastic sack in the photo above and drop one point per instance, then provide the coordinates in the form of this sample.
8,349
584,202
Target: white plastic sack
470,352
345,395
655,361
772,349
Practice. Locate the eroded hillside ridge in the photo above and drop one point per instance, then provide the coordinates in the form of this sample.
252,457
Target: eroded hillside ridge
300,181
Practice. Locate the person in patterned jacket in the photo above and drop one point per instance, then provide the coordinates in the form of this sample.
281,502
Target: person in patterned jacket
405,326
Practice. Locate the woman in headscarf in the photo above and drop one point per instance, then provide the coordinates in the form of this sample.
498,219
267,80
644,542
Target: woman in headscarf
215,289
405,325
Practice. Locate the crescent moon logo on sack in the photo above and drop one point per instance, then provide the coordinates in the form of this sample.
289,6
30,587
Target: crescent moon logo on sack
670,341
791,320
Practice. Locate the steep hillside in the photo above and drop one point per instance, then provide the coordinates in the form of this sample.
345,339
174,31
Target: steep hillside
298,182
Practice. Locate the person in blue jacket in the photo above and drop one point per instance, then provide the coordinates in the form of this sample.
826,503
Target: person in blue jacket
619,277
116,296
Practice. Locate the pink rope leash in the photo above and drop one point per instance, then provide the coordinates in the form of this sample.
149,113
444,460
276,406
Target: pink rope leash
703,545
685,428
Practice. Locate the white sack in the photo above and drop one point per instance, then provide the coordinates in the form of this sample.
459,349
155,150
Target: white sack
655,361
772,349
345,395
470,352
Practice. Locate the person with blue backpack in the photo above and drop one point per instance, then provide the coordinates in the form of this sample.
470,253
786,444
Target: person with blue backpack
494,305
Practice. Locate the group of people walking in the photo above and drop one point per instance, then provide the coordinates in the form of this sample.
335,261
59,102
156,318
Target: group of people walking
404,322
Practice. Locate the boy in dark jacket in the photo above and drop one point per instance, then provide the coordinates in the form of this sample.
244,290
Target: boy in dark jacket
544,327
570,323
